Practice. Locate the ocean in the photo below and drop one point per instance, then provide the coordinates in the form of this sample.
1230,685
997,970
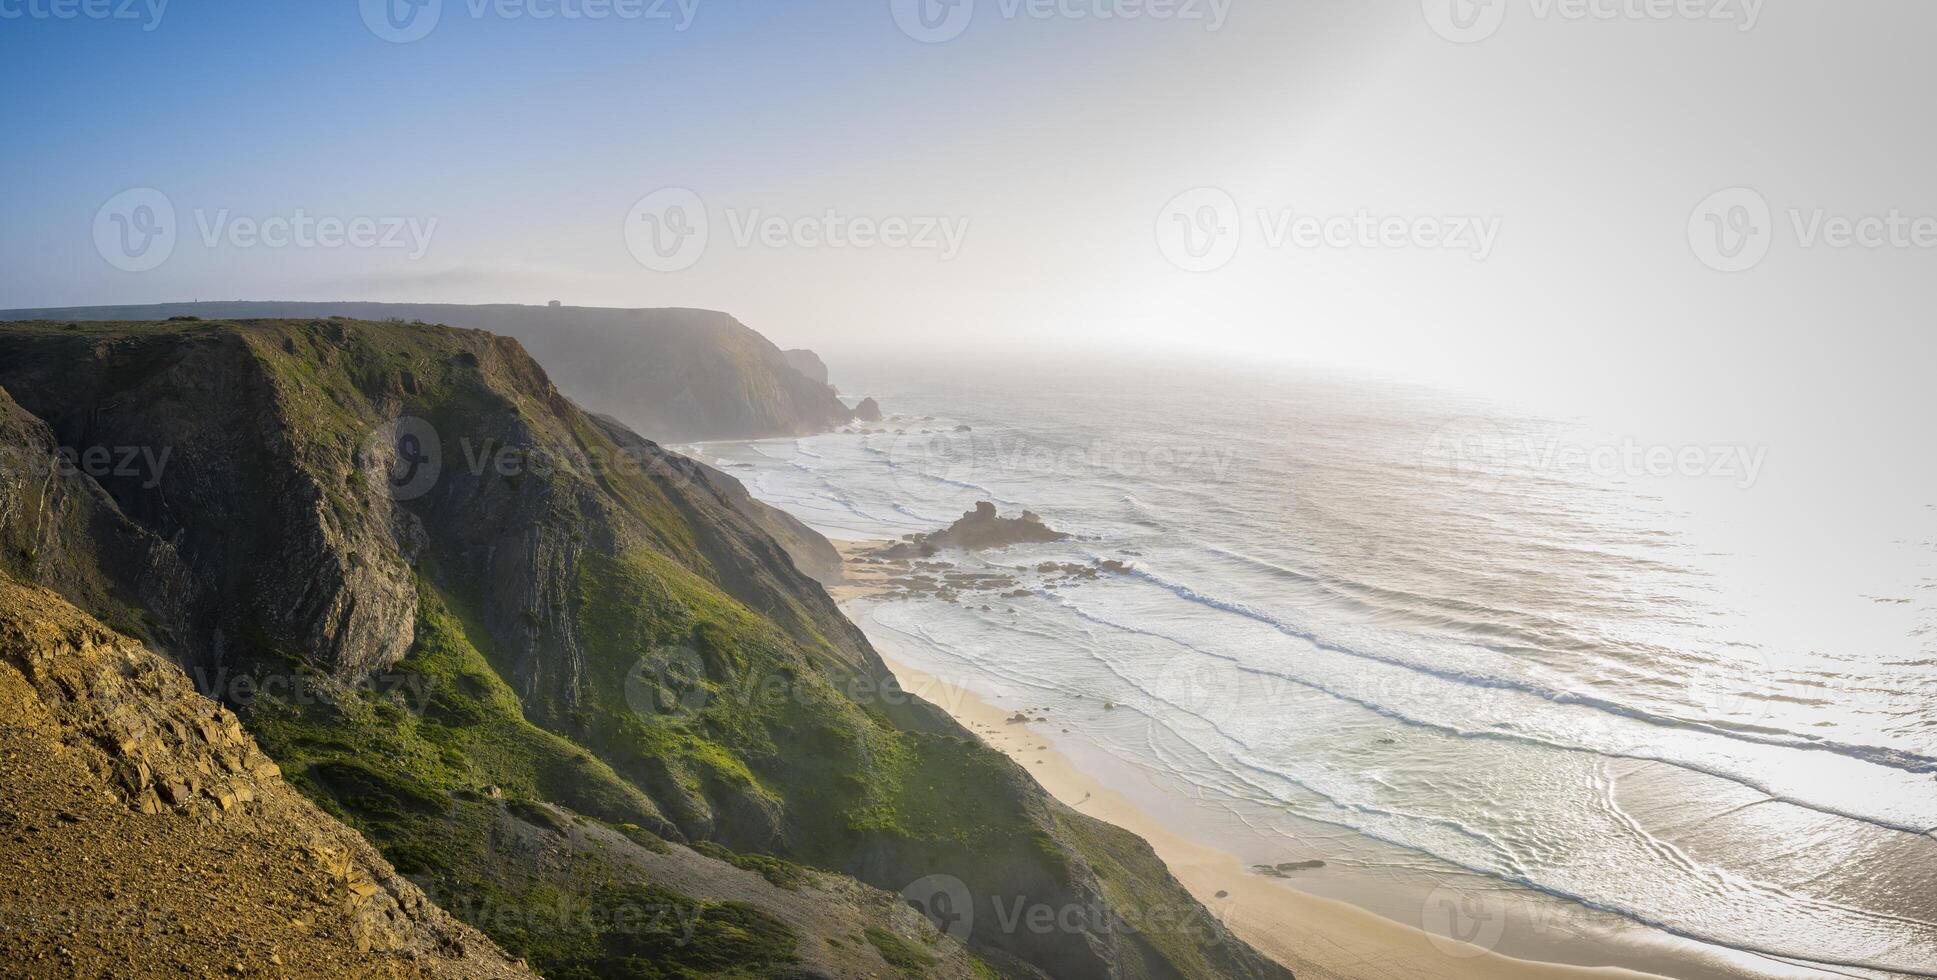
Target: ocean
1547,688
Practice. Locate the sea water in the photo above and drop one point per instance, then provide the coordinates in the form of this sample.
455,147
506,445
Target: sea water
1432,641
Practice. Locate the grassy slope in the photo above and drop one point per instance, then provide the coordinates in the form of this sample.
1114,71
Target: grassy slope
411,777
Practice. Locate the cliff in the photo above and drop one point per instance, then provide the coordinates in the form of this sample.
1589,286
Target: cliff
812,554
545,665
808,363
672,374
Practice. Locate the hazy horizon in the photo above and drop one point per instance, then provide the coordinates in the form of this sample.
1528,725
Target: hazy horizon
510,152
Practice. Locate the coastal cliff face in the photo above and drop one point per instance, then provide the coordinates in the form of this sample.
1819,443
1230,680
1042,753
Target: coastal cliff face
813,555
544,664
298,578
671,374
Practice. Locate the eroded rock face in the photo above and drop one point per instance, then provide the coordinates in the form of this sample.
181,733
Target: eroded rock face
252,506
61,529
144,831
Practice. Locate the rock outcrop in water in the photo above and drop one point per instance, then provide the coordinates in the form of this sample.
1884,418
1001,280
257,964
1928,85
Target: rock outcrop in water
544,664
980,529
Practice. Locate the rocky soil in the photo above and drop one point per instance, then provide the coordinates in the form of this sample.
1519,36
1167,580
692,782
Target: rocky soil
145,834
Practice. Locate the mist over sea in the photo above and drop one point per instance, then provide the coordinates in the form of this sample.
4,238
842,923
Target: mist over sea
1434,644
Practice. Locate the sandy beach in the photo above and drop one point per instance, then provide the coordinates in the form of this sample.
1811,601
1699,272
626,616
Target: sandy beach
1317,938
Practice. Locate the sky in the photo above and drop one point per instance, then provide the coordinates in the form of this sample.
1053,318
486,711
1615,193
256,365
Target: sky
1191,177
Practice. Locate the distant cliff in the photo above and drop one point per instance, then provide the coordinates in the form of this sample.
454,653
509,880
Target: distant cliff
808,363
670,374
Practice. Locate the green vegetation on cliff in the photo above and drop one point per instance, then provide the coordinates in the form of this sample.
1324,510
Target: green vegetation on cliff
565,673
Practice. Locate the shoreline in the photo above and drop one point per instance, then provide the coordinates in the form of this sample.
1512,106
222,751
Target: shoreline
1316,937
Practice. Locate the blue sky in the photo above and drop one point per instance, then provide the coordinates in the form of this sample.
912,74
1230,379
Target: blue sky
282,104
492,125
1059,143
